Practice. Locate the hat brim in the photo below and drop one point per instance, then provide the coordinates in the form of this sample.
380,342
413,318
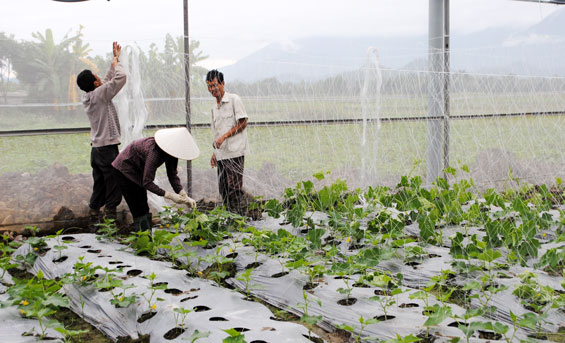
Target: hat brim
177,142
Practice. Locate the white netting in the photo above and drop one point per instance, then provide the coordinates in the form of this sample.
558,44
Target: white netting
311,108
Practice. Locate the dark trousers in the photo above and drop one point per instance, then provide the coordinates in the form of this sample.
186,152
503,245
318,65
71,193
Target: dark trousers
105,191
134,194
230,184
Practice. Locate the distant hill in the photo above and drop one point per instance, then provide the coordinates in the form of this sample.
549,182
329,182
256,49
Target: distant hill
538,50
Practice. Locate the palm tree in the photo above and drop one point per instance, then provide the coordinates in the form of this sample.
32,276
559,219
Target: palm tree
79,51
51,61
7,51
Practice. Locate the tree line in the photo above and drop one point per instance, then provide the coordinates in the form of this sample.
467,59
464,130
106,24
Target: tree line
46,69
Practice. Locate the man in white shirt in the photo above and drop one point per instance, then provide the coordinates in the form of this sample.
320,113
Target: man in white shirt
229,122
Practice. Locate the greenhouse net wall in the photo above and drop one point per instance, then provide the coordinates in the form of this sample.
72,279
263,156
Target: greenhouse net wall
366,124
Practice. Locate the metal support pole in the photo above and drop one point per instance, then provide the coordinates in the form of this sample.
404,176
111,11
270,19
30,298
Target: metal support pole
437,88
187,94
446,80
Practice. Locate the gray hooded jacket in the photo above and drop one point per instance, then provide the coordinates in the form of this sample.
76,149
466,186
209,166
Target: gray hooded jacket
104,123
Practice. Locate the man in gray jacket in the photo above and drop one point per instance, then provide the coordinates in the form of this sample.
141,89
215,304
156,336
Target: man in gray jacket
104,135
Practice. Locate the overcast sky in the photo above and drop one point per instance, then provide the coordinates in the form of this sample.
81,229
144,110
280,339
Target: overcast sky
229,30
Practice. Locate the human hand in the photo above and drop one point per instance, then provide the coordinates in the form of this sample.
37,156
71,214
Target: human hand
218,142
213,161
187,200
116,50
190,202
177,198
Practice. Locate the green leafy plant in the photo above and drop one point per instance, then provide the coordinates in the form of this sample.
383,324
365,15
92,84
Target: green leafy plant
234,336
245,277
180,313
121,299
107,230
6,250
153,287
362,325
60,246
196,335
534,296
37,298
306,319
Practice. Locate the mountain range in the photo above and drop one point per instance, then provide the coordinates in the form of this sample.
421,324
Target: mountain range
536,50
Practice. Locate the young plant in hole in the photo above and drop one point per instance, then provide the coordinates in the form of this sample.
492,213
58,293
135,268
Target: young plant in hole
174,251
121,299
106,230
69,334
313,268
39,298
436,315
234,337
363,324
256,240
37,244
245,277
109,282
218,261
386,301
180,313
413,253
515,324
41,313
534,296
344,270
306,319
152,289
384,281
146,242
422,295
533,321
60,246
463,321
438,284
6,250
84,273
487,286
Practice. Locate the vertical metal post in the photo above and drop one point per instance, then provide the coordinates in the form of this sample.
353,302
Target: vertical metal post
446,80
437,90
187,94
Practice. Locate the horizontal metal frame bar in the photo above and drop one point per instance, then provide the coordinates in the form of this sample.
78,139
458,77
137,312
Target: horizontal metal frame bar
289,123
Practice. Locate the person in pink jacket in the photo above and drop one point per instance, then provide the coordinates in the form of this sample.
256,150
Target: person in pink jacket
105,135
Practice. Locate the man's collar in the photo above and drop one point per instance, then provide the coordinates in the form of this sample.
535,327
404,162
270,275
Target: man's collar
225,98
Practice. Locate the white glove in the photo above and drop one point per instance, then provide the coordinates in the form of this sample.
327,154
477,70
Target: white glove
177,198
188,200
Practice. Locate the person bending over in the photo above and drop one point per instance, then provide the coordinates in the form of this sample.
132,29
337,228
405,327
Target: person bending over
104,135
136,165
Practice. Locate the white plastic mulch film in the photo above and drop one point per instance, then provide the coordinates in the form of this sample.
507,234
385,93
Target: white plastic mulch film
209,309
387,287
14,327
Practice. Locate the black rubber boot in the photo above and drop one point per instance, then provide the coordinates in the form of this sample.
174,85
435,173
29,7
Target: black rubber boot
238,203
93,220
142,223
149,218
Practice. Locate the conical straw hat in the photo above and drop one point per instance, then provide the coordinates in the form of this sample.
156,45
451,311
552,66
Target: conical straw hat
177,142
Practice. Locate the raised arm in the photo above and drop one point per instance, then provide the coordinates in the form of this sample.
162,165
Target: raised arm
115,78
